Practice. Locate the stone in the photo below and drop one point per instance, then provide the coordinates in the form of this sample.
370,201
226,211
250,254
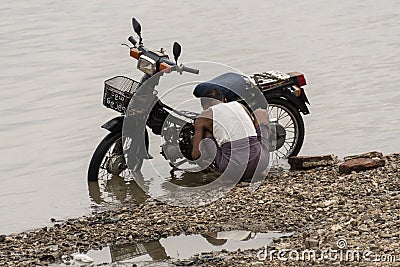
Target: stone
336,227
2,238
309,162
372,154
243,184
311,243
47,257
360,164
330,202
386,235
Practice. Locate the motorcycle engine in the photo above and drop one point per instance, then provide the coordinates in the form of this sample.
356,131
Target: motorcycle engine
177,142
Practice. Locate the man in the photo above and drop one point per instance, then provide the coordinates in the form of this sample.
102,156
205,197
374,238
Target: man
226,131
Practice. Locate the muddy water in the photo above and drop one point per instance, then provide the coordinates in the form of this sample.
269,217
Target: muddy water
56,54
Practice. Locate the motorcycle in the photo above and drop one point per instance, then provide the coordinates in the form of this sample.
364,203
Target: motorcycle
283,92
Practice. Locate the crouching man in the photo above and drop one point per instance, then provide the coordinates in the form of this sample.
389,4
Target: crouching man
237,142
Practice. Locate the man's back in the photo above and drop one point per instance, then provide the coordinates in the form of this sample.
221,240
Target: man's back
231,122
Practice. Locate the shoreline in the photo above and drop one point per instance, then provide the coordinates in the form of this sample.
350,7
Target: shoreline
319,205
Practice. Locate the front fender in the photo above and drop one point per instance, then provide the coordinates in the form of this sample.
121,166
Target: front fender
114,125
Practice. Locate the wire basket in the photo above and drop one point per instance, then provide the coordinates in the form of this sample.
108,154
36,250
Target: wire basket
118,91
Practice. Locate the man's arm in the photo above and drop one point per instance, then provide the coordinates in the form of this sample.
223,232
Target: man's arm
201,126
198,136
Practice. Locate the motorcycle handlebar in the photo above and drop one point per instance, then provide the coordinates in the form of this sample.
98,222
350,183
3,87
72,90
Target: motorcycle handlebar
191,70
132,40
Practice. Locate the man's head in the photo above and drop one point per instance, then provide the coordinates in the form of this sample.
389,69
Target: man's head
211,97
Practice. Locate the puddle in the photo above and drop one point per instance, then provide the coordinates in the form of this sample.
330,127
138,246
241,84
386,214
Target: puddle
182,246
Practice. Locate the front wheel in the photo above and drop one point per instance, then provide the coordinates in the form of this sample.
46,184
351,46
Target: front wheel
108,158
289,127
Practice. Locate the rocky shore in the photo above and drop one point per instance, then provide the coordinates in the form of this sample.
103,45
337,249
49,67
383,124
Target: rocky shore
324,208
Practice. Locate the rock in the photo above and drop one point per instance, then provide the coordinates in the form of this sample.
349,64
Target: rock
354,233
328,203
386,235
336,227
243,184
82,258
308,162
53,247
2,238
363,228
360,164
47,257
311,243
372,154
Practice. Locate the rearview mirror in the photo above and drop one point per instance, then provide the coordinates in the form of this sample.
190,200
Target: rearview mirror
136,26
177,49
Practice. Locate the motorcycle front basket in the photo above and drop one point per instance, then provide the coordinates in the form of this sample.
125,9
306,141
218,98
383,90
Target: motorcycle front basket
118,91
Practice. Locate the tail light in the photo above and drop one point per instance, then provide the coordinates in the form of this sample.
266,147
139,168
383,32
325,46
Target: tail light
298,78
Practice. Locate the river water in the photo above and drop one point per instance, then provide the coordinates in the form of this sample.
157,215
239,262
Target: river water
56,54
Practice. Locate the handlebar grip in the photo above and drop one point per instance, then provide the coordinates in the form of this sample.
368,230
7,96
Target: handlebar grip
132,40
191,70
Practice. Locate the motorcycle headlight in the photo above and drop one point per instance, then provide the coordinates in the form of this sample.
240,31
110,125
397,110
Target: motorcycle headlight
146,64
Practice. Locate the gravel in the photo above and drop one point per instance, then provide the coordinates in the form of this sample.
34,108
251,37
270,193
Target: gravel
321,207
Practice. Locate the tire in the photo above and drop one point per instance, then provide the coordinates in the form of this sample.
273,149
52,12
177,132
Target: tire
99,154
295,115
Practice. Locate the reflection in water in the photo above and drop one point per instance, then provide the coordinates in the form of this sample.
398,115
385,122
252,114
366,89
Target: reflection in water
122,190
182,247
116,190
192,179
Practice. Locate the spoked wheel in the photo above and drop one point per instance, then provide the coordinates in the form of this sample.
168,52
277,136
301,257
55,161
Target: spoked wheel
289,128
108,159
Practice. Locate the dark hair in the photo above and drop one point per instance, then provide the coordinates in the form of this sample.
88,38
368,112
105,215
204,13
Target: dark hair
213,93
210,97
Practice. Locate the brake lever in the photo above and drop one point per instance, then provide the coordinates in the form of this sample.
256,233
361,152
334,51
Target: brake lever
126,45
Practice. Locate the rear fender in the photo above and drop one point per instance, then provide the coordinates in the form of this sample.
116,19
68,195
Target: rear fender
298,102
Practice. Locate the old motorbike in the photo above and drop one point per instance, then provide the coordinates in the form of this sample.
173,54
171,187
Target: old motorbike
283,91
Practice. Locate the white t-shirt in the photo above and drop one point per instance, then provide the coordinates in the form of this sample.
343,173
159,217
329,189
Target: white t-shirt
231,122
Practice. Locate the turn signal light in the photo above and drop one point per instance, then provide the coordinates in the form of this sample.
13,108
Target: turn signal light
296,90
135,53
165,67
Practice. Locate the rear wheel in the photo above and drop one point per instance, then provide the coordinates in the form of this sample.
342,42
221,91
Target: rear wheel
289,127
